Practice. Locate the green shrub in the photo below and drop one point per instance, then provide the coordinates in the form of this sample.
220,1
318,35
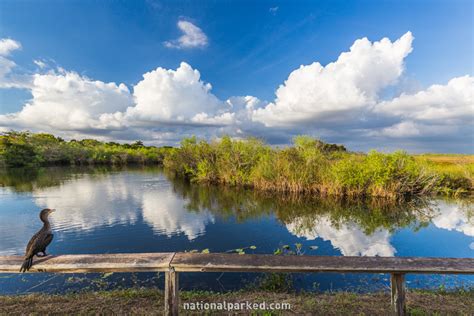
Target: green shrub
19,149
387,175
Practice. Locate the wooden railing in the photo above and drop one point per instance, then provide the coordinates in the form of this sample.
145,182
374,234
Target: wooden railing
174,263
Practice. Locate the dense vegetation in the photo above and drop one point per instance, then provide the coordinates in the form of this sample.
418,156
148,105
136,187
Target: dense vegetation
20,149
308,166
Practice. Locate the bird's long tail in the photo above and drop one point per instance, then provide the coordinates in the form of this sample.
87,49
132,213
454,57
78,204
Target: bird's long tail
26,264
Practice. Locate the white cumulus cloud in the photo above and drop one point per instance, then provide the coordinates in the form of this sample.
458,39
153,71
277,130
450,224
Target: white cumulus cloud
174,96
435,111
341,102
452,102
68,101
193,37
313,92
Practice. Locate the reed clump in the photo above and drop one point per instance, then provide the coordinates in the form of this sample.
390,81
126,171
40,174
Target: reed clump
308,166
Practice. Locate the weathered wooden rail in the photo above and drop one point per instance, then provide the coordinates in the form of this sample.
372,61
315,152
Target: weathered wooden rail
174,263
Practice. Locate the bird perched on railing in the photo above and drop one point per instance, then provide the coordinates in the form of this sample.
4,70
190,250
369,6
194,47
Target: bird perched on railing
39,241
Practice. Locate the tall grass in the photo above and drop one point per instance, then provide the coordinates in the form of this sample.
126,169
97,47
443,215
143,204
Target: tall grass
455,172
309,166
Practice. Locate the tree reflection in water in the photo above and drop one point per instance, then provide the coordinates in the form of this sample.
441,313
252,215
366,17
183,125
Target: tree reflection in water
355,227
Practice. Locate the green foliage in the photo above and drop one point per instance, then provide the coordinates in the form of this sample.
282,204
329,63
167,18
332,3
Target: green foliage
225,161
276,282
16,151
309,166
19,149
386,175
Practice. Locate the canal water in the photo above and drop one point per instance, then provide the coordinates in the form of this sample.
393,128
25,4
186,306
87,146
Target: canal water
104,210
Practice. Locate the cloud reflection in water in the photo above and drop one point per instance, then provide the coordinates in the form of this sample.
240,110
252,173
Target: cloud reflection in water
108,200
349,238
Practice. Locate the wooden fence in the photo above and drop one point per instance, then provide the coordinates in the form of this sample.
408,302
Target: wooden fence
174,263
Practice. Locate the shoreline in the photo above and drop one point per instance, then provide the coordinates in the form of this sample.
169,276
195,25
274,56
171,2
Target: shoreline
307,166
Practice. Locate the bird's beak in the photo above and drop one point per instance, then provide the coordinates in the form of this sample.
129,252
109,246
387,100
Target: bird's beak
52,210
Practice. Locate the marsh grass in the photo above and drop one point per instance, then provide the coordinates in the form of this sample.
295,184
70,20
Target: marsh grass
310,166
455,172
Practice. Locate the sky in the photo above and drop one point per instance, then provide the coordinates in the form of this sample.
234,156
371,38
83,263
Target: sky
381,75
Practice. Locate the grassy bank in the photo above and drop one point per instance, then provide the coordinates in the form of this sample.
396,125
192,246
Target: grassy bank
310,166
150,302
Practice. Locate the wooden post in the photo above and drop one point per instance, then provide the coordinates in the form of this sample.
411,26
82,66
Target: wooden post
171,292
397,281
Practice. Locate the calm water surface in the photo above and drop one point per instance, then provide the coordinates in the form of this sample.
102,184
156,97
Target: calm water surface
101,210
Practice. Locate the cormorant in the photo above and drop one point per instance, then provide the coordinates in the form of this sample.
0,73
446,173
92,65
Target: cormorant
39,241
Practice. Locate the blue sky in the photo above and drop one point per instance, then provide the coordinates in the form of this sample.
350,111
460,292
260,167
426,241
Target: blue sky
250,50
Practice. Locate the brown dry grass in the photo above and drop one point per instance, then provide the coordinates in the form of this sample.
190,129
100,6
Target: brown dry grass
448,159
150,302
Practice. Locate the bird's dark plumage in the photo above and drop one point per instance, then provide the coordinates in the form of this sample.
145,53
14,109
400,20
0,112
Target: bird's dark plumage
39,241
